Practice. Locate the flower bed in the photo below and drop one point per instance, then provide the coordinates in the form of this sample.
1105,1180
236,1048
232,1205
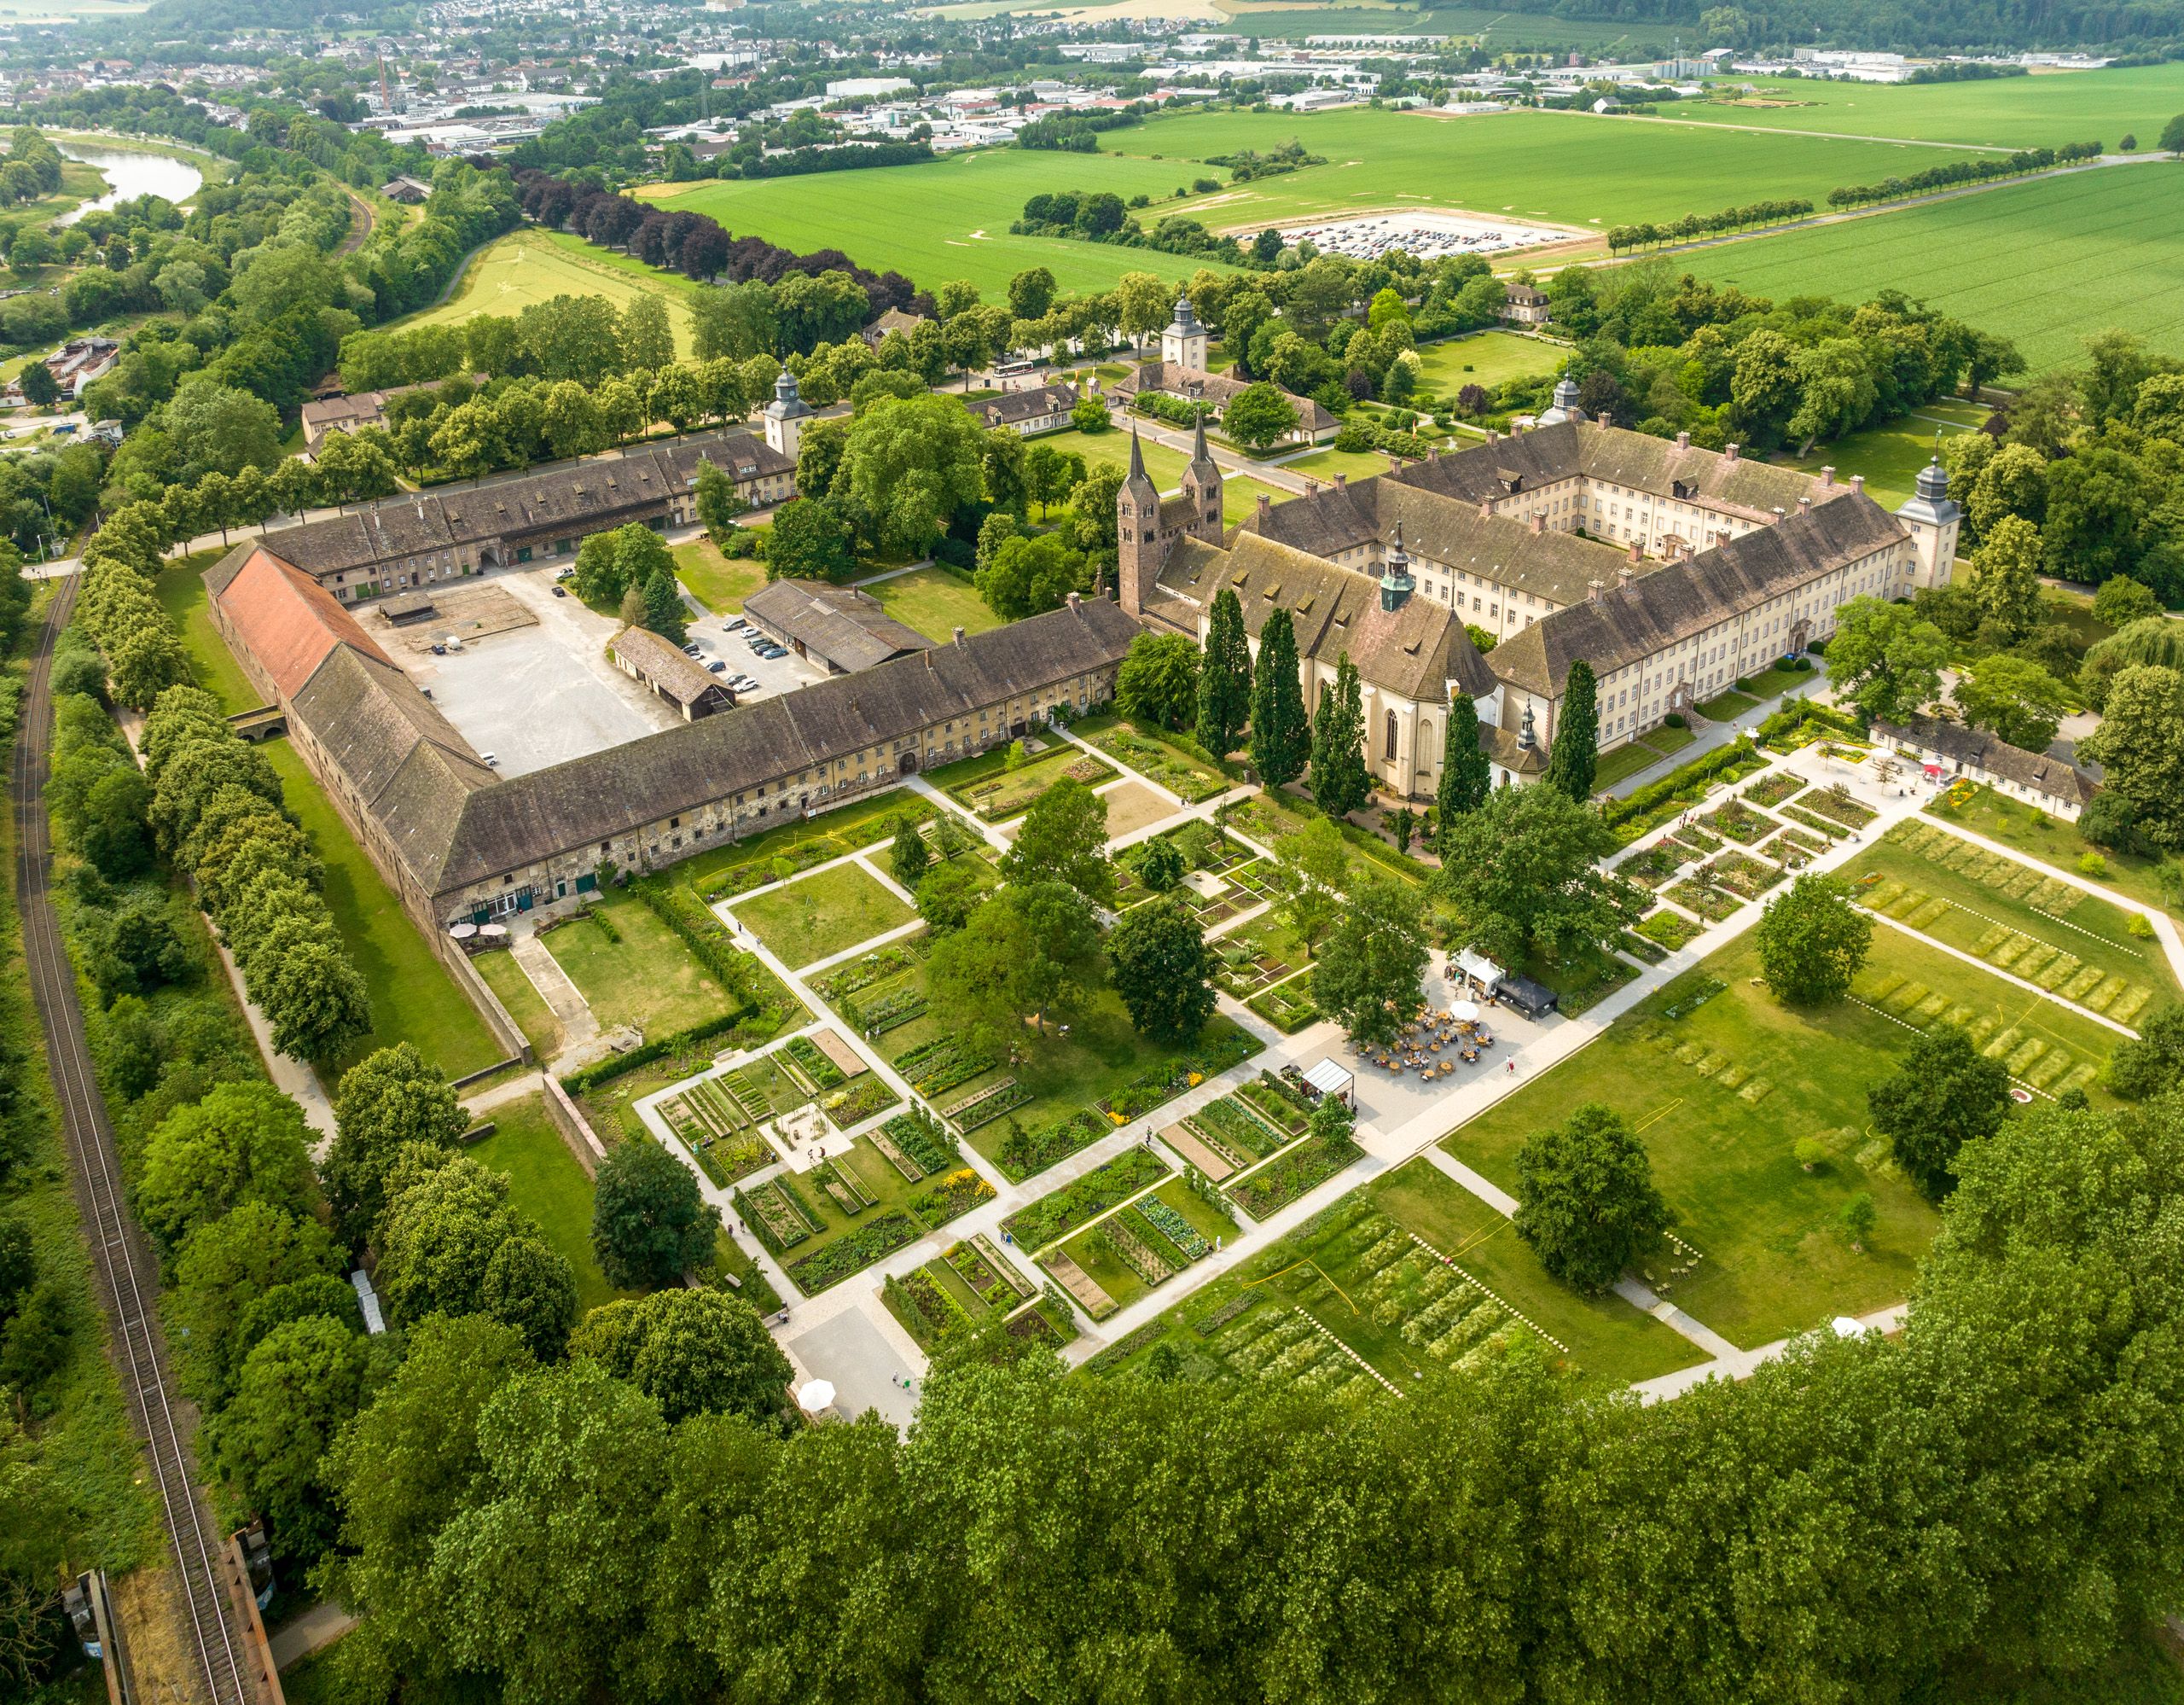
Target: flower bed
1158,1083
987,1105
1060,1211
1025,1152
941,1064
1638,948
1288,1007
1739,823
950,1194
1774,787
1801,721
1699,840
1710,903
1656,802
1279,1102
993,1284
1837,805
837,984
854,1250
774,1216
1805,842
1747,876
820,1072
1670,930
927,1312
854,1105
1236,1128
726,1159
1281,1182
895,1007
1830,831
1655,865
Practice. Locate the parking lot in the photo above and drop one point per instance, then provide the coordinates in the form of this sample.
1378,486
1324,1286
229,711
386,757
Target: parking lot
775,676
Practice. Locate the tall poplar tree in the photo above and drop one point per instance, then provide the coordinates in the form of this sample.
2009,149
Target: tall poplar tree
1465,775
1340,782
1224,680
1575,757
1280,737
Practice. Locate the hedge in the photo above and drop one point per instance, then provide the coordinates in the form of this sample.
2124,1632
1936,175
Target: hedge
606,1071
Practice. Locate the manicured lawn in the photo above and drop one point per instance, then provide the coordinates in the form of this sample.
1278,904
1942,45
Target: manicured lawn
1774,1259
1726,706
413,998
182,594
1486,358
2038,835
720,582
506,978
745,863
2044,263
984,785
2001,911
531,266
648,978
935,601
545,1182
1324,464
1891,456
1625,761
949,218
818,916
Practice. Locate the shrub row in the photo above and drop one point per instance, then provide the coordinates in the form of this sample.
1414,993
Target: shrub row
1689,782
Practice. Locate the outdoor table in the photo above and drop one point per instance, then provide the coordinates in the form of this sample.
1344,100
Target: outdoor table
1447,1067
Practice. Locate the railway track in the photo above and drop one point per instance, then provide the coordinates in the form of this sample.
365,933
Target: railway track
128,1274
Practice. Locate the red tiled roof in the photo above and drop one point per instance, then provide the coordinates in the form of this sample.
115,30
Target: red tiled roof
288,620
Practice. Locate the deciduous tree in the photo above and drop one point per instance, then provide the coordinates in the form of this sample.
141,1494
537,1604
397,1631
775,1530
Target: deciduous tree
1884,659
2139,744
1945,1094
1163,970
244,1142
2012,697
1521,873
1158,681
388,1099
649,1222
1064,839
1372,977
692,1352
1589,1207
1812,941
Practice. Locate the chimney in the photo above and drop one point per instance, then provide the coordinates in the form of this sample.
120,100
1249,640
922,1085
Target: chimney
1804,506
1624,574
1433,453
1827,478
1593,589
1493,436
1636,555
1342,482
1683,440
1074,602
959,635
1539,521
1266,508
1857,482
1485,508
1729,454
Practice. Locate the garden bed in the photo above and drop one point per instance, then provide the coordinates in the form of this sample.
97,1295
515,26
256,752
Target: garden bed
1060,1211
1023,1151
1154,756
1667,929
1288,1007
1774,787
1838,806
1708,903
1737,821
1654,865
1001,784
1280,1181
860,1102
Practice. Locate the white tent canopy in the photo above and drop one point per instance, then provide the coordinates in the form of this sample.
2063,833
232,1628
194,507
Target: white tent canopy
1480,969
1330,1079
816,1396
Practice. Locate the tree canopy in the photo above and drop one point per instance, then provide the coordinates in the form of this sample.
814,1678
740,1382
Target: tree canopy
1588,1205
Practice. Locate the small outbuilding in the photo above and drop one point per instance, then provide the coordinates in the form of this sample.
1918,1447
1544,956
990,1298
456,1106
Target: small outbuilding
839,627
664,667
1328,1079
1534,1000
1479,970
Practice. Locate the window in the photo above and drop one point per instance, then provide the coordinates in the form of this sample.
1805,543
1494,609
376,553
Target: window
1391,752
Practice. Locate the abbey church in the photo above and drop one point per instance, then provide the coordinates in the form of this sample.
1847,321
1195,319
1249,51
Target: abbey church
1671,570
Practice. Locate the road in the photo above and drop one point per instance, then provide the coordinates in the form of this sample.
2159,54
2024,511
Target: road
127,1271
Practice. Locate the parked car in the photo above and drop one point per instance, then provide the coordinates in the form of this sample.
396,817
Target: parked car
561,591
439,651
772,651
732,623
693,651
492,759
715,667
743,683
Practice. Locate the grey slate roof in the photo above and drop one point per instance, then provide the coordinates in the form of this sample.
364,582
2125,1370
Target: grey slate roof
521,820
1971,749
839,624
666,666
1680,599
1414,651
1013,406
1217,389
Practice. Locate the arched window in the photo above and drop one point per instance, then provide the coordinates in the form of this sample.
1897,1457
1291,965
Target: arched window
1426,738
1391,752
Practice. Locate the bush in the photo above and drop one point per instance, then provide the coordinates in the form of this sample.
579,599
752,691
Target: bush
1675,719
2093,865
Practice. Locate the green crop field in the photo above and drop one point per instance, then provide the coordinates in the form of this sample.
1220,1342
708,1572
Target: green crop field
949,218
2044,263
2007,111
530,265
1571,168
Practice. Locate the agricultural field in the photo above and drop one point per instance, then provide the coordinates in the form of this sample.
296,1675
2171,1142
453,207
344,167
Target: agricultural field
2040,111
532,266
949,218
2045,263
1572,169
1409,1278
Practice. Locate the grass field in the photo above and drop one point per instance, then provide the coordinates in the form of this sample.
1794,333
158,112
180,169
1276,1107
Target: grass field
2045,263
531,266
935,602
1485,358
1503,32
413,998
648,978
1239,492
2011,113
1890,456
720,582
525,1005
950,218
1570,168
2028,829
819,916
182,594
545,1182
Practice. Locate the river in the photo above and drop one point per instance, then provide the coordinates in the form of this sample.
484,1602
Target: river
130,173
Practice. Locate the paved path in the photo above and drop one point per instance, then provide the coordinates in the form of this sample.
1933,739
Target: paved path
563,998
482,1103
316,1629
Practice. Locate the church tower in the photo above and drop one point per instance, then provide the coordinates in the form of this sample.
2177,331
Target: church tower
1202,486
785,415
1932,520
1183,343
1137,531
1395,582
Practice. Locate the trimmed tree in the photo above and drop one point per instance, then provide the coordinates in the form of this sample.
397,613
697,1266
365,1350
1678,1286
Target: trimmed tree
1158,681
912,858
1224,677
1280,737
1945,1094
1589,1208
692,1352
1163,970
650,1222
1340,782
1064,839
1467,778
1575,757
1812,941
1372,976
